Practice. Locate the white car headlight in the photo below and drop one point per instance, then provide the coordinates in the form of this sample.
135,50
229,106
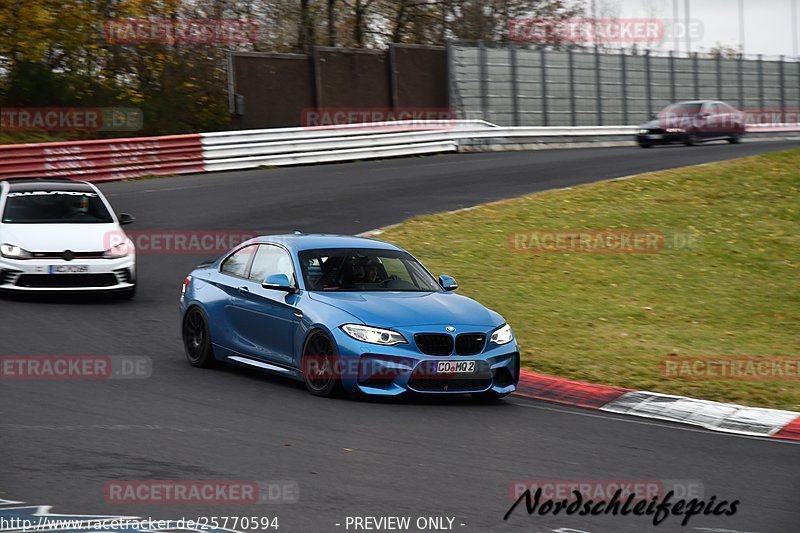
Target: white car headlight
502,335
14,252
372,335
123,249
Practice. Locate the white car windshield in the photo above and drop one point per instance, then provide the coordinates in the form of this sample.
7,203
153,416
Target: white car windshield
54,207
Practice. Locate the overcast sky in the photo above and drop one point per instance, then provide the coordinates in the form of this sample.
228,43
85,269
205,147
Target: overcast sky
768,24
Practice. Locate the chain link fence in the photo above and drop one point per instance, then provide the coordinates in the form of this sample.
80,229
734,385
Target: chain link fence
530,86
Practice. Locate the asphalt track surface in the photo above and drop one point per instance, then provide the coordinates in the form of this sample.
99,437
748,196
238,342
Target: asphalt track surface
60,442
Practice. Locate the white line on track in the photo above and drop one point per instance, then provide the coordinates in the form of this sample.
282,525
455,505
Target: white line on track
538,404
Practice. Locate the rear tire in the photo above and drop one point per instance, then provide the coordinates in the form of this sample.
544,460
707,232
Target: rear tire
197,340
735,138
691,140
321,372
645,145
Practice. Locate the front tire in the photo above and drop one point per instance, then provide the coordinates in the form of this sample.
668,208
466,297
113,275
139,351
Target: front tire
320,366
197,340
691,140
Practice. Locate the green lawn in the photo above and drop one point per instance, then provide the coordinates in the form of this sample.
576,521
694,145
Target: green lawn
613,317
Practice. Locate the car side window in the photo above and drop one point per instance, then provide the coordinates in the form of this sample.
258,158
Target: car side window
270,260
236,264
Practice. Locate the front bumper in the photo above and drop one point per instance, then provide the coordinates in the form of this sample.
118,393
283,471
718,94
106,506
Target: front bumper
652,138
394,370
35,275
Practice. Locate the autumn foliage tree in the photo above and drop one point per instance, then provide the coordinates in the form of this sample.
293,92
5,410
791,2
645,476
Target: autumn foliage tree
58,52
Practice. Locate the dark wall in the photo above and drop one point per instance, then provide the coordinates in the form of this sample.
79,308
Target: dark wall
273,90
354,78
261,79
423,82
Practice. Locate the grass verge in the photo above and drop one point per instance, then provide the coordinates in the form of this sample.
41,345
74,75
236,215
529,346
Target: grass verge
615,317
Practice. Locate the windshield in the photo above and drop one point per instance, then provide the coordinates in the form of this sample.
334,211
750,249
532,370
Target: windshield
54,207
357,270
683,109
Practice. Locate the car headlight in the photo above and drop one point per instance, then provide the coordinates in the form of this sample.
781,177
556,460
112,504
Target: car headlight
642,131
123,249
676,130
14,252
372,335
502,335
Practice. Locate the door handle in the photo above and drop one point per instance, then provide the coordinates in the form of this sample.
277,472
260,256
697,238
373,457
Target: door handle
298,314
244,290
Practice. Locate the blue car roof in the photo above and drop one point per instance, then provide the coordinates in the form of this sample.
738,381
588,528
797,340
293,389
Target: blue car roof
312,241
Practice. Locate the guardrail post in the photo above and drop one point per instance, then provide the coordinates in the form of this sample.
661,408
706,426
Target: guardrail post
672,91
543,85
393,77
451,76
719,77
783,88
572,106
315,70
512,52
484,80
624,69
740,76
760,83
598,83
231,85
648,84
696,65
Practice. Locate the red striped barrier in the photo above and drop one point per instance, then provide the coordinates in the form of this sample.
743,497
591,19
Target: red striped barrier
566,391
791,431
101,160
715,416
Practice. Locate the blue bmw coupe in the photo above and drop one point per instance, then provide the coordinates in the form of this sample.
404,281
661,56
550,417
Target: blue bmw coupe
346,315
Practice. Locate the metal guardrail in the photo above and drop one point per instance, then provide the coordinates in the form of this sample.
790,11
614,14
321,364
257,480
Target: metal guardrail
105,160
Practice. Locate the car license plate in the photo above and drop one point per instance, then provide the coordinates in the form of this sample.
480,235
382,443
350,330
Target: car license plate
450,367
69,269
654,136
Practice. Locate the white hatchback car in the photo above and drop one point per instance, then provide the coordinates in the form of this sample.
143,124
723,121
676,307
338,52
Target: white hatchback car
62,235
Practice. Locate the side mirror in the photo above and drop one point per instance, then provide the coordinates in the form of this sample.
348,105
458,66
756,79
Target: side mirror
125,218
448,283
279,282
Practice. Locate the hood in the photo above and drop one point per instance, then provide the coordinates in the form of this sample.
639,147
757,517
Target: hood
397,309
60,237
